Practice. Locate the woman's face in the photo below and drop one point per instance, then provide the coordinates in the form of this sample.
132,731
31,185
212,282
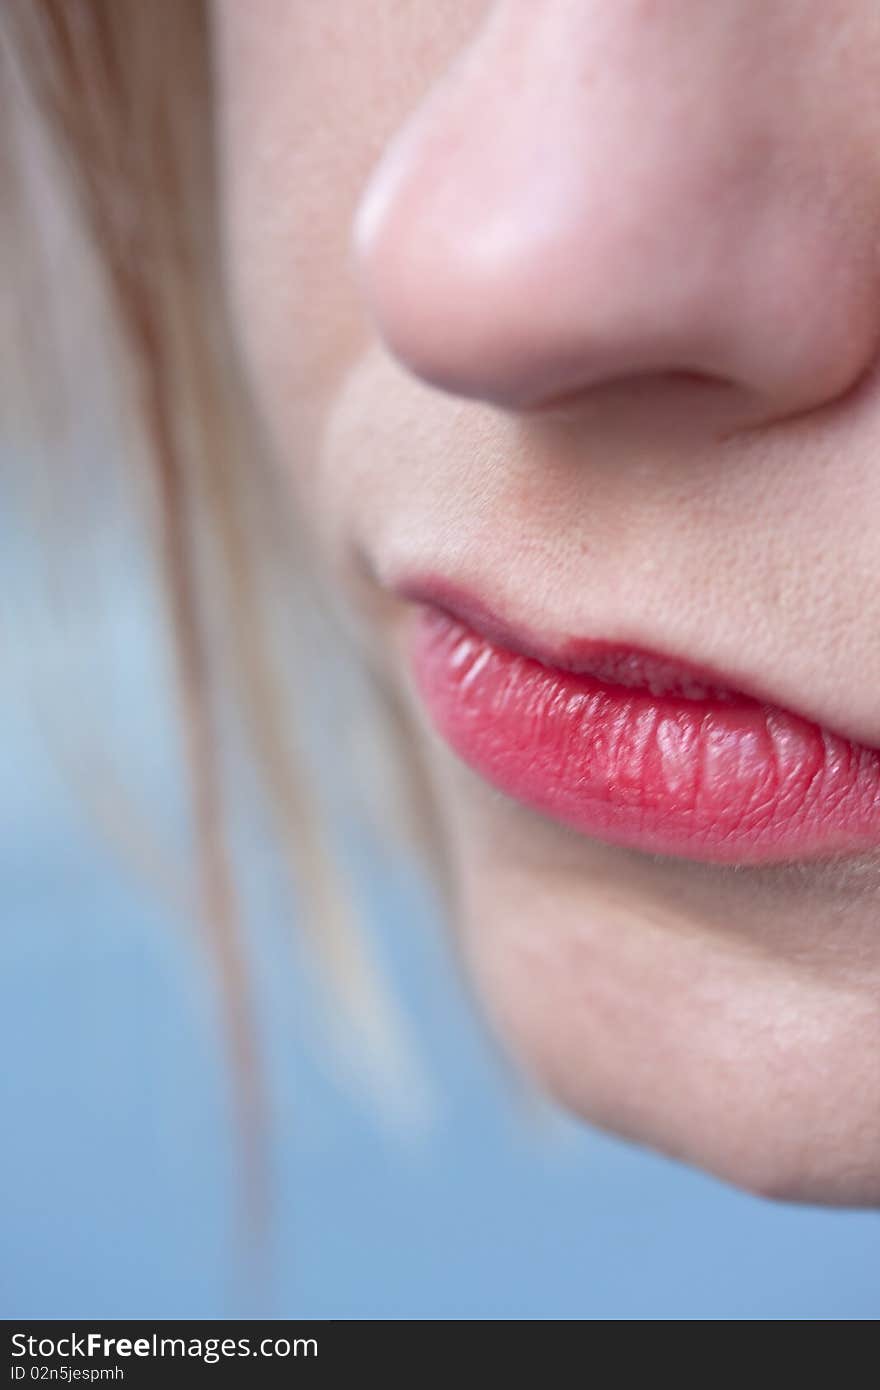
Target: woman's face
565,318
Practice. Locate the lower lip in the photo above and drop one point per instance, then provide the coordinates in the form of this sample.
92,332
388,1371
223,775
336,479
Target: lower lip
722,778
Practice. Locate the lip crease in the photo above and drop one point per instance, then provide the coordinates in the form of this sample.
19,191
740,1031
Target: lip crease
634,748
576,654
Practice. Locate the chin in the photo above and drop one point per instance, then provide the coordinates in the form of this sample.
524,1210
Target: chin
694,1045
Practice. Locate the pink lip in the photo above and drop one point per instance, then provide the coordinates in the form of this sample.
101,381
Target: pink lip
639,750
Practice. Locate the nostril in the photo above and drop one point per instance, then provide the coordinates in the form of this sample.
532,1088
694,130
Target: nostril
697,385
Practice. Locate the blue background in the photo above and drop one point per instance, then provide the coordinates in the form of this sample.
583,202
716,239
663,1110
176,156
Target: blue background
117,1164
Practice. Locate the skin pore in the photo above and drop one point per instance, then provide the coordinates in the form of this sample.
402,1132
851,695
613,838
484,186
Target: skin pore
576,306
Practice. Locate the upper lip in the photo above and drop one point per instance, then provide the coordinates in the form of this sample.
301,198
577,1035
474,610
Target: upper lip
580,653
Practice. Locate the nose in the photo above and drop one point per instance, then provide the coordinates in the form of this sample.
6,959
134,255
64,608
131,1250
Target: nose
599,190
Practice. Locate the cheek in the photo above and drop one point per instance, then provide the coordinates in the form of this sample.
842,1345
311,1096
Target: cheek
308,96
289,192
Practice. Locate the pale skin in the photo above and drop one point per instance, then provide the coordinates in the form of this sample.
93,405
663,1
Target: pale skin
662,218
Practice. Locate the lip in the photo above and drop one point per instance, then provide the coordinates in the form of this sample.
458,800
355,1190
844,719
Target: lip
637,749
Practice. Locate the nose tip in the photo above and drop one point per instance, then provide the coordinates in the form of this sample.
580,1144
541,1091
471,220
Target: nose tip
589,229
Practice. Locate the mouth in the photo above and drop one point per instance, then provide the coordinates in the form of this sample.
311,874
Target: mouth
636,749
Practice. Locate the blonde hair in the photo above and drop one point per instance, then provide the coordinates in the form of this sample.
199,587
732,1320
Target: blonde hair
122,91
